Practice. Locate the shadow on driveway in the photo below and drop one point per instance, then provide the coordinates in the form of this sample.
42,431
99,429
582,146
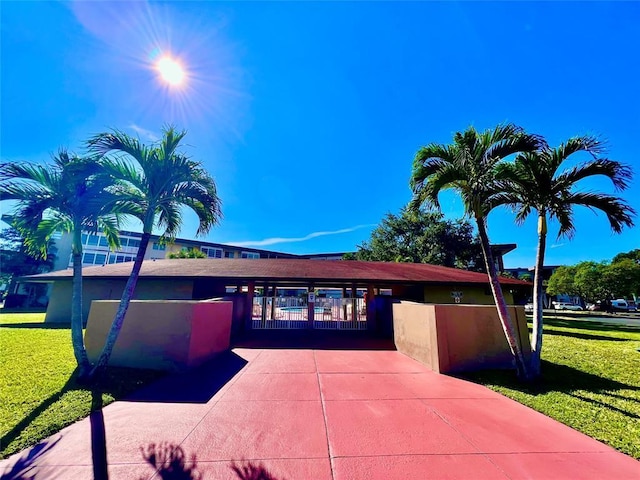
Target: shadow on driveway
193,386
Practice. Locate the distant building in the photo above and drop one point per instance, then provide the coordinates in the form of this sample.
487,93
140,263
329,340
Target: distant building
96,250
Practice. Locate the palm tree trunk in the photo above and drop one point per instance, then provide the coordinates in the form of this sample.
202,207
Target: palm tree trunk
501,304
536,339
77,339
127,295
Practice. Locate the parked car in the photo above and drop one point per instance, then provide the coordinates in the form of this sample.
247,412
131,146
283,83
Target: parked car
632,306
566,306
528,308
620,305
595,307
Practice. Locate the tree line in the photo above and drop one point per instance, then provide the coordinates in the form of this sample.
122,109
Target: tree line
599,281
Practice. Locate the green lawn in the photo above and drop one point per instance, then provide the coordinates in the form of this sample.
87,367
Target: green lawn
38,391
591,381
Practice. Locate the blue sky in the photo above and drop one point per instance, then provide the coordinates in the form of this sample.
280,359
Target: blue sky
308,114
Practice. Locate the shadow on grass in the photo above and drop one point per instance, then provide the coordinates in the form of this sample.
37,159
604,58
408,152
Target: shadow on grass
22,469
593,401
554,378
172,463
40,325
118,382
558,378
585,336
589,325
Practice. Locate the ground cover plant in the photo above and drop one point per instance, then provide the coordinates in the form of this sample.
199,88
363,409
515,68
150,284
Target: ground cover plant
39,394
589,381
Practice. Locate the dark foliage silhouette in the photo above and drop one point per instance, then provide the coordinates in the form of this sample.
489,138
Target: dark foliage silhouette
252,471
23,468
171,462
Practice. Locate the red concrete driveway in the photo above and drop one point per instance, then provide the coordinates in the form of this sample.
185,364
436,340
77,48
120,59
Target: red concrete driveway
320,414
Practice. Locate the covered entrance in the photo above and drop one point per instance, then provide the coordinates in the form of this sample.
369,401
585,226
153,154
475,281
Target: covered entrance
324,309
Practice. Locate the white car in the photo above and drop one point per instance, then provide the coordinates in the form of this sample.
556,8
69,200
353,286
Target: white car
528,308
566,306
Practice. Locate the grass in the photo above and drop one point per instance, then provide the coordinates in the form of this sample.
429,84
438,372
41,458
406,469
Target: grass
39,394
590,381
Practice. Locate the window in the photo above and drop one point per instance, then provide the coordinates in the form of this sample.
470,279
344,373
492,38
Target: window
133,242
228,254
92,240
112,259
100,258
88,258
212,252
102,241
84,238
250,255
159,246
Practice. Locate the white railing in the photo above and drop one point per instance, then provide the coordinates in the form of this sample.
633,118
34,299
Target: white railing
293,313
279,313
340,314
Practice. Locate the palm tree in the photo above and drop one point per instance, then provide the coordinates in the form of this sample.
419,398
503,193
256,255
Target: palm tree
68,196
468,167
534,181
153,183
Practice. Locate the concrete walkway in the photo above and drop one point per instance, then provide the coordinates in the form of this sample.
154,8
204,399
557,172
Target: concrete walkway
301,414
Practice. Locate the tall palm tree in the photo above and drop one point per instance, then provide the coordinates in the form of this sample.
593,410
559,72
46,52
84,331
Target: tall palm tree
69,195
153,184
536,181
467,166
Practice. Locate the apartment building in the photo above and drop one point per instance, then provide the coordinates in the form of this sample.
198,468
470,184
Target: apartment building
96,250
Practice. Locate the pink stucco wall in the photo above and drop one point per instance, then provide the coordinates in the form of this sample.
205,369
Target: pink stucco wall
161,334
455,338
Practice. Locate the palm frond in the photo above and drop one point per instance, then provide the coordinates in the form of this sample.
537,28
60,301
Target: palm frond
585,143
117,141
110,226
506,140
169,219
171,140
619,174
619,213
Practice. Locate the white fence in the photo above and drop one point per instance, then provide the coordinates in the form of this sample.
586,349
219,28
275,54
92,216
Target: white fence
293,313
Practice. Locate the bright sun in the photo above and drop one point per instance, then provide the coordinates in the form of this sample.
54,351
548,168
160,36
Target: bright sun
171,71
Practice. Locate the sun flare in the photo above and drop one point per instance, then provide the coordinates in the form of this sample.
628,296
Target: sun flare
171,71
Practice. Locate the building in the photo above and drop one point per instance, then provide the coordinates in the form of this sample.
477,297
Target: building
96,250
286,284
442,316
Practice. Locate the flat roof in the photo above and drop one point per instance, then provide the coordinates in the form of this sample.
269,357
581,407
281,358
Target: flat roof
283,270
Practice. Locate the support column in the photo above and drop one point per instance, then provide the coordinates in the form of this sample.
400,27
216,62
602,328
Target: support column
344,304
354,304
265,303
311,306
249,305
273,302
370,305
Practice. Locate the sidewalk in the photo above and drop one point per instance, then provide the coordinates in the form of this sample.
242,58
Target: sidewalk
322,414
